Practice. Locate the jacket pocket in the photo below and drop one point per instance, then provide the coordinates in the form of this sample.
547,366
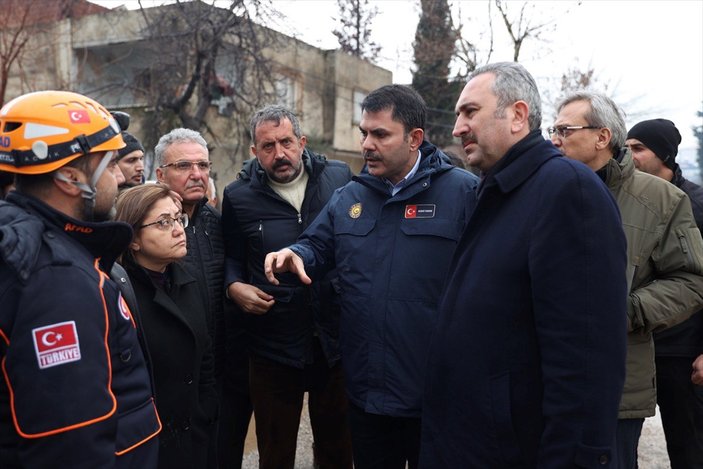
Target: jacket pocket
691,246
447,229
284,293
354,226
501,410
136,427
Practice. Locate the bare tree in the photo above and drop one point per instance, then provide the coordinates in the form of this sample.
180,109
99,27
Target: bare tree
525,21
205,54
184,64
434,49
467,51
14,34
575,79
354,29
523,25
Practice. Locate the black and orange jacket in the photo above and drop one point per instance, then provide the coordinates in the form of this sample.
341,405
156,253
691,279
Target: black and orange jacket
75,389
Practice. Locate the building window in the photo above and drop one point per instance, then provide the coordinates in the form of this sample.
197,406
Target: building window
285,92
359,96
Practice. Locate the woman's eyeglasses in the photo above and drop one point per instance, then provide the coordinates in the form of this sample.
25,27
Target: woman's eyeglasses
167,223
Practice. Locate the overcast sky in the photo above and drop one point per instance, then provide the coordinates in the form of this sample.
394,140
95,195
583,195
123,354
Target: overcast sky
648,53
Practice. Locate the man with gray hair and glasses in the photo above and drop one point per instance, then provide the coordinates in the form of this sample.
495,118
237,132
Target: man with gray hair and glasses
664,248
527,361
183,163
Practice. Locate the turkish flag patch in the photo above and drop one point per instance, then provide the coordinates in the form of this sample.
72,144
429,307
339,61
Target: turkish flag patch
79,116
56,344
420,211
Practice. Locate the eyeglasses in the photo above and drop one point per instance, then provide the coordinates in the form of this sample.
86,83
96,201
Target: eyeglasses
564,130
167,223
183,166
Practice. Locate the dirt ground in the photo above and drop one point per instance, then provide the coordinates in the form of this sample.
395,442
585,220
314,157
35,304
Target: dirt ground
652,448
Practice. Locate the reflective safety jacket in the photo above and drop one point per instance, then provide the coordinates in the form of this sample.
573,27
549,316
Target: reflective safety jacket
75,390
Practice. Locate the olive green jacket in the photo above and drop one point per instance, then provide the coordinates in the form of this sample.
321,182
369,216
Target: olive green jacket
665,271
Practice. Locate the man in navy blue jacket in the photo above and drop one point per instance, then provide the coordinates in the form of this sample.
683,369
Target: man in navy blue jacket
391,234
527,363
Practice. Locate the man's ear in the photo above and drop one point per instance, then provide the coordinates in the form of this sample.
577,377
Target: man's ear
159,174
69,174
134,246
521,111
252,150
604,137
416,137
303,141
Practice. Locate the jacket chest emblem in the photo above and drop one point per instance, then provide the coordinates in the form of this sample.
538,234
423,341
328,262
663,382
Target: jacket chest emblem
420,211
355,210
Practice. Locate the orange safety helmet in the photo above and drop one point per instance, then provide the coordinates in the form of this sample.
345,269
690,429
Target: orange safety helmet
41,132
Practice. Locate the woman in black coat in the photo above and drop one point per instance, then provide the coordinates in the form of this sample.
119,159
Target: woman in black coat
172,311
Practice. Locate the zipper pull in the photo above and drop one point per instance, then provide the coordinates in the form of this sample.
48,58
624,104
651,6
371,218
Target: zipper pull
300,219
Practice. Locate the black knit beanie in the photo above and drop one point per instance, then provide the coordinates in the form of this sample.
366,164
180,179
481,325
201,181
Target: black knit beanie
659,135
132,144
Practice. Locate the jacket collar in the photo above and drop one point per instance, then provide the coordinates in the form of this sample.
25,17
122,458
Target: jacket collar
196,210
520,162
432,161
678,178
177,274
617,169
178,278
103,240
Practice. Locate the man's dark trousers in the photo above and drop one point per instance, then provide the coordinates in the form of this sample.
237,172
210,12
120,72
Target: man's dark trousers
277,392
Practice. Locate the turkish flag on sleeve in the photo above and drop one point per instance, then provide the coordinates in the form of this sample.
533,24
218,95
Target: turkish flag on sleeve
56,336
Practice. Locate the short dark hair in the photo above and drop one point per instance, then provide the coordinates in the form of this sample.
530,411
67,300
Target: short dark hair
273,113
408,106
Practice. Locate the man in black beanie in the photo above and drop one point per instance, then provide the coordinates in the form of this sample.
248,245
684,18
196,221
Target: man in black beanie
130,159
654,145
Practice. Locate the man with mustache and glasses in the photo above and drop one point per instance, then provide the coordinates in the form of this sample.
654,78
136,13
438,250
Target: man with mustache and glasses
391,234
292,329
527,361
183,163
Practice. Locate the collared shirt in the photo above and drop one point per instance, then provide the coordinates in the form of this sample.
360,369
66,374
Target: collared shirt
397,187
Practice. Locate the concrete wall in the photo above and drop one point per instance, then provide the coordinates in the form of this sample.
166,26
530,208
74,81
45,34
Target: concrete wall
324,83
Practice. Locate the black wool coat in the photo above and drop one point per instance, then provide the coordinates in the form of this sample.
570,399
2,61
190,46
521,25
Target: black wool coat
176,333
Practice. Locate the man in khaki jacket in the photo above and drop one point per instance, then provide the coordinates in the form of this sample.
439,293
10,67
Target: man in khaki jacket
665,250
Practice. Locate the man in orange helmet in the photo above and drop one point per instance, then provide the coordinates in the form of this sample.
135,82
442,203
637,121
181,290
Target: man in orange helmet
75,390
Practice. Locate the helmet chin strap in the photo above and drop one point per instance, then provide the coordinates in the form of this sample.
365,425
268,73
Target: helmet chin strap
89,192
